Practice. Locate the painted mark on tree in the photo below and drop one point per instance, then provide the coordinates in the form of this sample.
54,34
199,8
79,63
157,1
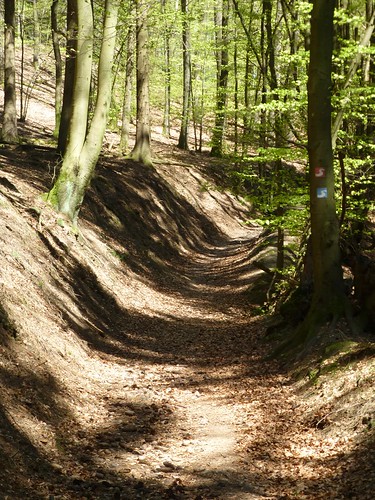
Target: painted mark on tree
322,192
320,172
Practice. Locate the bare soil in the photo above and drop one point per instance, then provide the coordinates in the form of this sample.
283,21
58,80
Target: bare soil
132,362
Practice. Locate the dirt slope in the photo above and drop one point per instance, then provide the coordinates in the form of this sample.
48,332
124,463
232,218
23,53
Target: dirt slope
131,362
116,331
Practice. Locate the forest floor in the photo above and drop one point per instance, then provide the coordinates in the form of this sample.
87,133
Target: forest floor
133,364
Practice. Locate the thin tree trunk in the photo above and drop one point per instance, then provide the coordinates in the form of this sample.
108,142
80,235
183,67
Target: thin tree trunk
368,70
58,67
128,91
184,132
222,84
250,47
36,28
167,73
142,148
263,72
22,72
236,93
9,130
278,123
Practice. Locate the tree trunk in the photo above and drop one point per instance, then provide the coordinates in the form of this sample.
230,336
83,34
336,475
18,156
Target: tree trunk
128,91
142,147
184,131
23,94
167,73
37,37
83,149
222,84
70,68
58,67
9,130
277,125
235,97
328,302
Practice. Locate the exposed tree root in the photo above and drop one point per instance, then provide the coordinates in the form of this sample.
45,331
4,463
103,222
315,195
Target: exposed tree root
306,335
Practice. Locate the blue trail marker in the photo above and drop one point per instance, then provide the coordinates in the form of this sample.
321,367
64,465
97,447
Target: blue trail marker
322,192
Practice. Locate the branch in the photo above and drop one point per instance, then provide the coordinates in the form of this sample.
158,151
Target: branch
344,189
351,71
247,32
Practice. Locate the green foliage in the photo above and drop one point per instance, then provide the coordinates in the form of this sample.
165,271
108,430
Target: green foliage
360,194
279,193
121,256
270,154
257,113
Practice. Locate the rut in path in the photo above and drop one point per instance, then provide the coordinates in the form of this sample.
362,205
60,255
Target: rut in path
196,372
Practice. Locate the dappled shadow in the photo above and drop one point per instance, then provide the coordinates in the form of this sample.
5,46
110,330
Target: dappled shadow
139,210
149,227
34,164
141,229
165,243
338,356
18,454
356,478
33,399
160,338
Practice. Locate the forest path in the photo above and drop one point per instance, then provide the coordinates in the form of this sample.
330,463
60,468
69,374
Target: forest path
179,418
139,369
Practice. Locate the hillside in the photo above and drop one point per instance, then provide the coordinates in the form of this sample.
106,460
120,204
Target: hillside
132,362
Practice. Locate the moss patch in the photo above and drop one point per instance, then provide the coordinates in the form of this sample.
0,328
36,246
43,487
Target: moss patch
6,324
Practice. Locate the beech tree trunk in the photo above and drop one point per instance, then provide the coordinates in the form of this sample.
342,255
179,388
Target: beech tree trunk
184,131
83,148
142,147
70,68
328,302
167,72
9,130
58,67
222,81
128,91
37,35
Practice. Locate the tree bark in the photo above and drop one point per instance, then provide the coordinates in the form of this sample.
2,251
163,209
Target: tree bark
9,130
128,91
183,142
328,302
83,148
222,83
37,36
70,68
142,147
167,72
58,67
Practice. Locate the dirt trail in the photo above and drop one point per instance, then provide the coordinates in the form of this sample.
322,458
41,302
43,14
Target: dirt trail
178,424
138,370
191,398
127,378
